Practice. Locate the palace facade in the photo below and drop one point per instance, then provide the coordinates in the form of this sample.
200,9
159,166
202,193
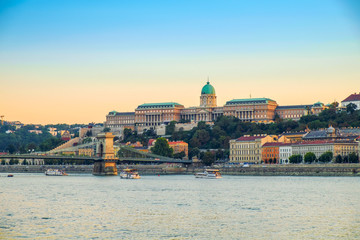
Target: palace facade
153,115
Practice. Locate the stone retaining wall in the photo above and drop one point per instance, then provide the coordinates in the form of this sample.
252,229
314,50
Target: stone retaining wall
253,170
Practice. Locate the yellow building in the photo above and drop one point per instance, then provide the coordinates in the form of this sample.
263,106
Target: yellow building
86,152
155,114
251,109
247,149
344,148
290,137
179,146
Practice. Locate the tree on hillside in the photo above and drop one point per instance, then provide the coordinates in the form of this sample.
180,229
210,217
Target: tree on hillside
326,157
194,152
208,159
350,108
297,158
309,157
353,158
170,129
162,148
179,155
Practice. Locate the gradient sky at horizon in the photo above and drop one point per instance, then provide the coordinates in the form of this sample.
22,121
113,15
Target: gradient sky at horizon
74,61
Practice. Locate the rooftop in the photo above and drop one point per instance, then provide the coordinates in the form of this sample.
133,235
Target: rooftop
352,97
249,101
293,107
248,138
293,133
176,142
274,144
115,113
160,105
208,89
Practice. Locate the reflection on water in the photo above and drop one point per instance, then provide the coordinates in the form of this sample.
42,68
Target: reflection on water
179,207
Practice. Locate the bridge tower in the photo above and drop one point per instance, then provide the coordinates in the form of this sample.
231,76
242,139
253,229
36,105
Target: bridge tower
106,164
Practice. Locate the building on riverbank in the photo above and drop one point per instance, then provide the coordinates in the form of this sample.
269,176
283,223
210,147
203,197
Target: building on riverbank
276,152
247,149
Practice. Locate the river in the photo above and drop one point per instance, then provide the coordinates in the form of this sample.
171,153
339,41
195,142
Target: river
79,206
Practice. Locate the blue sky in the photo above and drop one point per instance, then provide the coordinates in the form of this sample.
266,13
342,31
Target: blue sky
142,48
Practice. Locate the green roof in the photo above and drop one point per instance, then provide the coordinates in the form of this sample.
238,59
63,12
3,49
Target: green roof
249,101
318,104
208,89
159,105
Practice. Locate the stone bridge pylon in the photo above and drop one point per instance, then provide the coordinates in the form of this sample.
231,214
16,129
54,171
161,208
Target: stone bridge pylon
106,164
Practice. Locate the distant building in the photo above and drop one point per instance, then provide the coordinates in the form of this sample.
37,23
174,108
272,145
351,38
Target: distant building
247,149
52,131
35,131
353,98
89,151
251,109
294,112
180,146
154,115
291,137
271,152
318,147
317,108
65,135
285,151
332,133
118,121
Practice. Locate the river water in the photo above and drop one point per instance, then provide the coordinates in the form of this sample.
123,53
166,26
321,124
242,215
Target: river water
179,207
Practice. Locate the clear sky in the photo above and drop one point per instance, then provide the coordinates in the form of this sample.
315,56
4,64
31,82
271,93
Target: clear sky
65,61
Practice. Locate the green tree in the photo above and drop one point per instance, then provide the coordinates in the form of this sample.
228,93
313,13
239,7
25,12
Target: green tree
353,158
87,140
89,133
127,134
3,162
297,158
338,159
179,155
11,148
202,135
326,157
309,157
170,129
162,148
106,129
208,159
350,108
194,152
31,146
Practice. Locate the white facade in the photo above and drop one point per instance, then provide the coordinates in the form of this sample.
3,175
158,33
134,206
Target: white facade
284,153
317,149
345,103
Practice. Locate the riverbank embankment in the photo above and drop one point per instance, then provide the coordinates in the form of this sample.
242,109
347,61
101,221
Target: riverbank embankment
252,170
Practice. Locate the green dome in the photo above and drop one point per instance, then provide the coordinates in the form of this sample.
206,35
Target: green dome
208,89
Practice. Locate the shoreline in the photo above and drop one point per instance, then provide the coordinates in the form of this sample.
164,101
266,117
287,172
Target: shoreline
337,170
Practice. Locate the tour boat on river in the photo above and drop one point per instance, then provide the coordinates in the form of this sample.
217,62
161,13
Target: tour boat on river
55,172
209,173
130,174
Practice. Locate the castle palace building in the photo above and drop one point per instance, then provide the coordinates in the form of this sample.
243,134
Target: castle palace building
260,110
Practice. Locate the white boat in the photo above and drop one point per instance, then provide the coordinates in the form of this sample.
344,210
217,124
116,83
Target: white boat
209,173
129,174
55,172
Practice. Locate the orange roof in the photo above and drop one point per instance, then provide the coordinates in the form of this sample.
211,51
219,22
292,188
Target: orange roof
249,138
176,142
276,144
